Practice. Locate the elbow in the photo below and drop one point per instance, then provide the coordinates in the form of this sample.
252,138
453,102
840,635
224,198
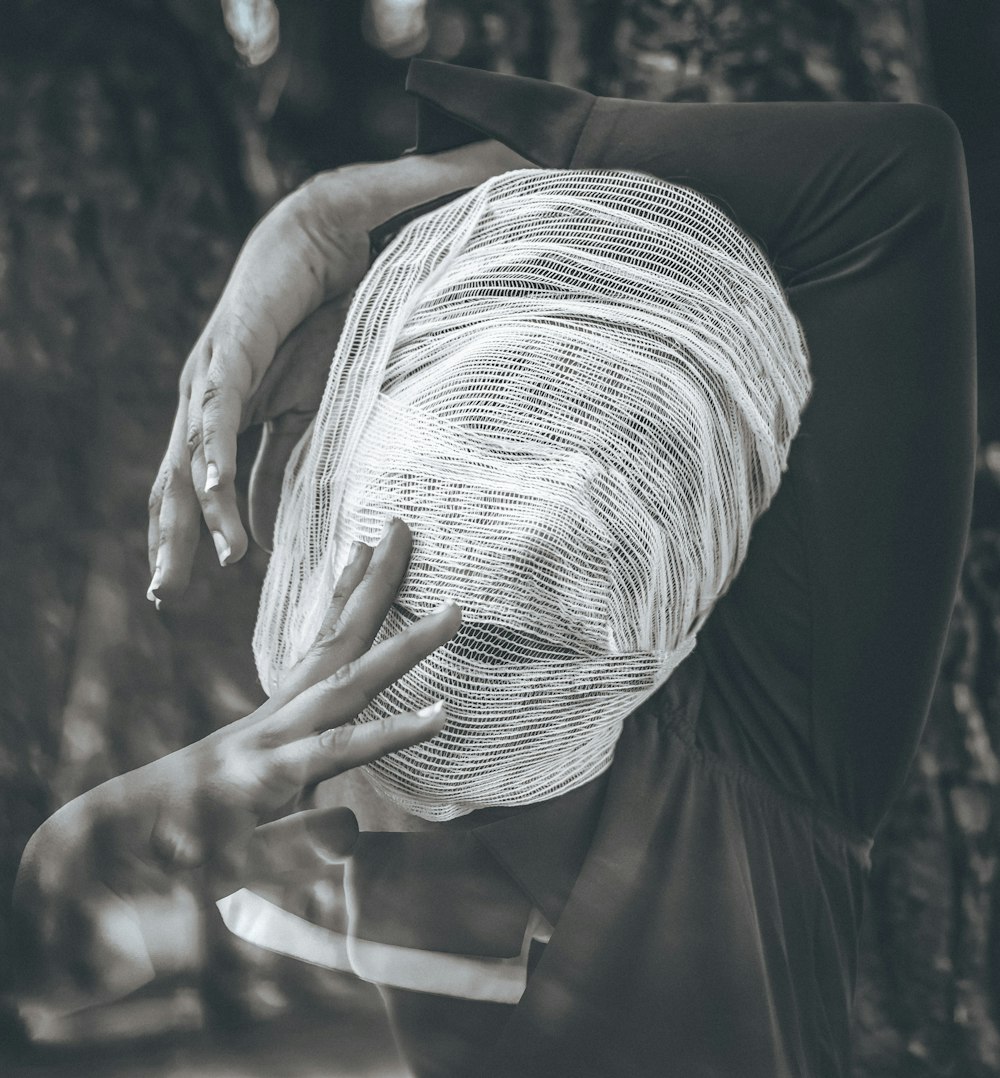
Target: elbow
930,168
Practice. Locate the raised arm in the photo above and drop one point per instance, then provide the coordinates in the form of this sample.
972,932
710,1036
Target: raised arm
264,354
827,645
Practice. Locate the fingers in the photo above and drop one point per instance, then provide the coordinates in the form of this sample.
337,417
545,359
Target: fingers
325,755
278,754
221,409
341,697
358,561
276,282
285,401
361,600
235,356
300,846
317,664
173,518
362,615
214,418
192,483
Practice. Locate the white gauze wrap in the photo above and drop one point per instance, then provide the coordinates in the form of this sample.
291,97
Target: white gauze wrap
578,388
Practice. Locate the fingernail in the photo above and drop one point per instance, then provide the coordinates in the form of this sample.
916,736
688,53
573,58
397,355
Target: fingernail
392,525
448,604
154,584
211,477
357,548
431,711
157,603
222,547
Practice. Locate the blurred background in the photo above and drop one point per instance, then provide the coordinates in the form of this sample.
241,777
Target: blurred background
139,142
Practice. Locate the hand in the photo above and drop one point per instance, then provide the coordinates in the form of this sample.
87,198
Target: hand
296,272
110,888
265,353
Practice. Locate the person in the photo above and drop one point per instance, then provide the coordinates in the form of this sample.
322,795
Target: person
599,379
705,891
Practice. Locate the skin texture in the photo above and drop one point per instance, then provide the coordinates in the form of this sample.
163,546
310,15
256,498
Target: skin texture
113,884
264,354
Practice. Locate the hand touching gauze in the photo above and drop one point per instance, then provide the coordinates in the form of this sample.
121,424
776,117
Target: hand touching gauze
579,389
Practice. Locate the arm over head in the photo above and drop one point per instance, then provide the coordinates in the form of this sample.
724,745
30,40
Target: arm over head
828,643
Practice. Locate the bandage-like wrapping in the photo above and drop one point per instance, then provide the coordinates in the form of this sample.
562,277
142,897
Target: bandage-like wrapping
579,389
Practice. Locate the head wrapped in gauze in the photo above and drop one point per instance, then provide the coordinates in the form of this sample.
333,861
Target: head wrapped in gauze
578,388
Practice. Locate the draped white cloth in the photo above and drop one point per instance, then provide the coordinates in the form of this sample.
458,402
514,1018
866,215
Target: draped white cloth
579,389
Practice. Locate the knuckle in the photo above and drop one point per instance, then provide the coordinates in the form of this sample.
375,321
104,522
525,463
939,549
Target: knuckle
350,682
324,643
171,484
344,676
277,771
215,418
269,737
211,394
300,206
160,484
337,742
193,441
355,640
233,770
205,498
389,726
341,593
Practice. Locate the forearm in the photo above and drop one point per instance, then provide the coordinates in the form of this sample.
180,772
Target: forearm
411,180
363,196
314,245
830,636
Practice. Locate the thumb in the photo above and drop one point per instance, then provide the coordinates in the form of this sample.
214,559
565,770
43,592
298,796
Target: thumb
302,846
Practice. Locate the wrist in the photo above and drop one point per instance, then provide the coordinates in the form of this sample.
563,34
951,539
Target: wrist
370,193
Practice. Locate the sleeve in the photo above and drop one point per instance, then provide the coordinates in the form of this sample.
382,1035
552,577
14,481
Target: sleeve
826,648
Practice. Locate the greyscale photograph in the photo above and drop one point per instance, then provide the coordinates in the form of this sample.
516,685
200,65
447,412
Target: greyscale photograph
499,539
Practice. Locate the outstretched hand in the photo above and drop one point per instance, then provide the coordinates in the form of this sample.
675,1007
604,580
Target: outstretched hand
110,888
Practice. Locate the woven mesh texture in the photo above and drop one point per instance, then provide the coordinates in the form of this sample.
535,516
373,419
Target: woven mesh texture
578,388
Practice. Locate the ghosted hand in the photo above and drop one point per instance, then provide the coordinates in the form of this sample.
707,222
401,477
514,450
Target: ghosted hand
111,887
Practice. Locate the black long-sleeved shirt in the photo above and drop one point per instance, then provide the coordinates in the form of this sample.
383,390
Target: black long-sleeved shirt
707,891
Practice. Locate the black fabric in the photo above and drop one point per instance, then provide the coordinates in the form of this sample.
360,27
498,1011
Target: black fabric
442,1037
544,851
501,107
712,928
380,237
436,892
828,645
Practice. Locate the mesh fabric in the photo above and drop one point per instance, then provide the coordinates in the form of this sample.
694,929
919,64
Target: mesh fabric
579,389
